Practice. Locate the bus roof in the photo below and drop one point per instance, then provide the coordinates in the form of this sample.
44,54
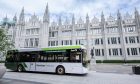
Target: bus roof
29,49
52,48
64,47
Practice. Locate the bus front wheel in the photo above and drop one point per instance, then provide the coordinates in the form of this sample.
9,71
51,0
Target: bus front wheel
60,70
20,68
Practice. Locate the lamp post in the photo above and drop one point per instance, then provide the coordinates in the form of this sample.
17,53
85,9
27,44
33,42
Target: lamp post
93,60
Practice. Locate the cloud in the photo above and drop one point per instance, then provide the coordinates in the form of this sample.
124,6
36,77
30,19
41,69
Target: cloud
66,8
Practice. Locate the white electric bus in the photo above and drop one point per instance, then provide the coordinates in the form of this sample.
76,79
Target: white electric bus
60,60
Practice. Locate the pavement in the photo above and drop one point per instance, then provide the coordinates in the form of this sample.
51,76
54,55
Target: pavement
98,74
113,68
91,78
14,81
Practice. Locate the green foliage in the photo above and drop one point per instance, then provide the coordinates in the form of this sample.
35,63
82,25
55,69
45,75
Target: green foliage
118,61
2,61
5,44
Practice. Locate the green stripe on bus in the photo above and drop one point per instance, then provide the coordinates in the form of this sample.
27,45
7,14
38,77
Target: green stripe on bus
61,48
23,64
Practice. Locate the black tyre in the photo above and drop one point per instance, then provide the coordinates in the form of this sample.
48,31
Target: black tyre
60,70
20,68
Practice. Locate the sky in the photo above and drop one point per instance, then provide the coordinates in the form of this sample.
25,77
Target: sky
66,8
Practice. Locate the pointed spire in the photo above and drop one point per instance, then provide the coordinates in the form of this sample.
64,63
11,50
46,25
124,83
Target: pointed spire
87,18
46,15
118,12
15,18
59,21
21,17
102,14
110,15
137,19
66,21
5,19
136,13
127,16
73,19
102,17
80,21
119,15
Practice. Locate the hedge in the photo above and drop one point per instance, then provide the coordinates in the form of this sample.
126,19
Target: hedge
117,61
2,61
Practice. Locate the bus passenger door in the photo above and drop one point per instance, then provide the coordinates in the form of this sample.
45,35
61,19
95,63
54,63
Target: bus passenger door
33,63
32,66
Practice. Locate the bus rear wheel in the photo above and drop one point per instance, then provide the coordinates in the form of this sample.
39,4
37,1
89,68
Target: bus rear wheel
20,68
60,70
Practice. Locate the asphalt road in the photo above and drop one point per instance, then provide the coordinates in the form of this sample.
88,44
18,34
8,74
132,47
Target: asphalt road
91,78
14,81
105,74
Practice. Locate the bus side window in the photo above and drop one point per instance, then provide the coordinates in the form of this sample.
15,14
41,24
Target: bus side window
75,57
24,57
15,56
9,56
42,56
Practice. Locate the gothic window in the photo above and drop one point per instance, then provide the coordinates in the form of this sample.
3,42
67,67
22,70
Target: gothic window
112,30
26,42
126,40
56,43
97,52
120,51
83,42
28,31
139,50
66,42
113,40
119,40
132,39
52,43
36,42
62,43
108,40
128,52
134,51
53,34
97,42
102,52
49,43
66,33
31,42
109,50
101,41
115,51
36,30
80,42
138,39
130,28
97,31
81,33
32,31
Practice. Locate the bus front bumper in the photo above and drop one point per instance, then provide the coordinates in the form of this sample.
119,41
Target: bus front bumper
85,70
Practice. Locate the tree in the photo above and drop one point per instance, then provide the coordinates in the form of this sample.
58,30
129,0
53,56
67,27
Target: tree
5,44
